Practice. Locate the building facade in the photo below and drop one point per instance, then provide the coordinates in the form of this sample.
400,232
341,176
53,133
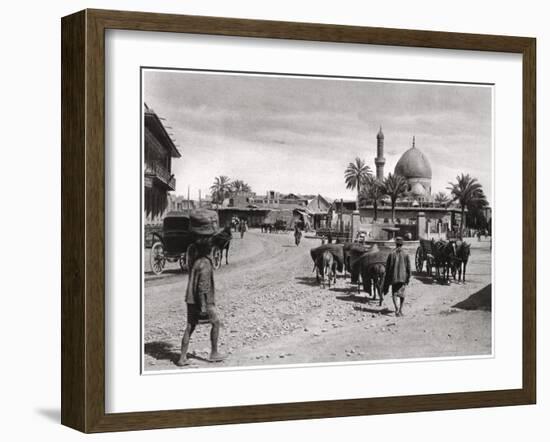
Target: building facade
159,150
179,203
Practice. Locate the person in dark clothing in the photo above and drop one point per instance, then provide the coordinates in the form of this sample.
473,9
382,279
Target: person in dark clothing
201,303
398,275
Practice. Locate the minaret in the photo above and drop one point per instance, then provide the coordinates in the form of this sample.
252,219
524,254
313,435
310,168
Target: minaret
380,160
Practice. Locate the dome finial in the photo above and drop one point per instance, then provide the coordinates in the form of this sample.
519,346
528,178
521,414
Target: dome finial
413,143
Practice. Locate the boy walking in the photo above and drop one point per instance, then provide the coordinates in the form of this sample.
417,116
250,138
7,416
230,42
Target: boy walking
201,303
398,275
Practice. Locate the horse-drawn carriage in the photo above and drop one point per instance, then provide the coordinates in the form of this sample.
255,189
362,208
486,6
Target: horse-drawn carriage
180,231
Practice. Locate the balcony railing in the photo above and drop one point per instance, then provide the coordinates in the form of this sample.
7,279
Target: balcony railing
158,171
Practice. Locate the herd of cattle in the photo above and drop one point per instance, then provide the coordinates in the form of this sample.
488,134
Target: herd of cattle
367,264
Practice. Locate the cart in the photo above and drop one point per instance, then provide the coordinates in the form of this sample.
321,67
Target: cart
176,242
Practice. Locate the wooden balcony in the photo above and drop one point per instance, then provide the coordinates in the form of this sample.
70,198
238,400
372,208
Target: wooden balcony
159,174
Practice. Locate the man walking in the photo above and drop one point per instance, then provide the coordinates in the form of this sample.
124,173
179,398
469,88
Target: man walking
398,275
201,303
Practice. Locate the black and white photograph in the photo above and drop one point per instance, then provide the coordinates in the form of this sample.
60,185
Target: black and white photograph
291,220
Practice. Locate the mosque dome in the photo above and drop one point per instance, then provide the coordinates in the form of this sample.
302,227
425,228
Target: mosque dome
418,190
413,164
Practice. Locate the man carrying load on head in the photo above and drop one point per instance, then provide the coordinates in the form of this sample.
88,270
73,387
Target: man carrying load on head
201,302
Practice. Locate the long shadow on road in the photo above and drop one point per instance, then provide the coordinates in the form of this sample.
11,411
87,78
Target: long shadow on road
367,307
161,351
431,280
380,310
354,298
307,280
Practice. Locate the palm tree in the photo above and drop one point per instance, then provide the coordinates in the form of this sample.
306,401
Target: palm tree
240,186
476,217
355,175
395,187
465,191
442,198
220,188
372,191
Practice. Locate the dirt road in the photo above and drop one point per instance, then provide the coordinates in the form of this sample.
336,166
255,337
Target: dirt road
274,312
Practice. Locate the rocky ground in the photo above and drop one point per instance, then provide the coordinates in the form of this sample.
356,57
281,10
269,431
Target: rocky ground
274,312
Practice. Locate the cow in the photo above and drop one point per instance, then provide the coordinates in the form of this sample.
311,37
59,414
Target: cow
337,251
373,276
326,266
372,269
352,254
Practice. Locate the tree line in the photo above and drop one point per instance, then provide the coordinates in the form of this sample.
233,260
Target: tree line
223,187
466,191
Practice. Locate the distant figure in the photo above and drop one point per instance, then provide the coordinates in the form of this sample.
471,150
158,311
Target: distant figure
235,223
398,275
201,303
242,227
297,234
329,237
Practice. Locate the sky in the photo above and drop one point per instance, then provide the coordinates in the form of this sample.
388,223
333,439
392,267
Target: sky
298,134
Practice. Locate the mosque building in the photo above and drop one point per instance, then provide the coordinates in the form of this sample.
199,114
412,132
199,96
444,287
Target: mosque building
413,166
416,212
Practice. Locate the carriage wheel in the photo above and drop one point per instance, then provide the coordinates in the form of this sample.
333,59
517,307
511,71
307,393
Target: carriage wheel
157,258
418,259
190,256
216,257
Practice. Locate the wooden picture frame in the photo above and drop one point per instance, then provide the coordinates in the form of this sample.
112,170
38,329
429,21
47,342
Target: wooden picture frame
83,219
